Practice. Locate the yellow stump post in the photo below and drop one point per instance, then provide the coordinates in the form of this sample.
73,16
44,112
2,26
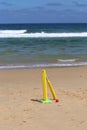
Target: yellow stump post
52,90
44,83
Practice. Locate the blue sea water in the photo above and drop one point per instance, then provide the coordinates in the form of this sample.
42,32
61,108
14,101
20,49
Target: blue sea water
43,45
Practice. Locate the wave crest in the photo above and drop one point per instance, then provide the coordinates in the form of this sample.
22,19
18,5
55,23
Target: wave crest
12,31
66,60
24,34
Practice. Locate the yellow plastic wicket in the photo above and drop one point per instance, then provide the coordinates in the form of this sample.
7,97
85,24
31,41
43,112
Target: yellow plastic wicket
44,82
45,94
52,89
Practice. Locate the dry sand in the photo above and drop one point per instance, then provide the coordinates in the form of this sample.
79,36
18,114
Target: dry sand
21,90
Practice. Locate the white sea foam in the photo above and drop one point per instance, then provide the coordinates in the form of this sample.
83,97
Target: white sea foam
66,60
12,32
44,65
24,34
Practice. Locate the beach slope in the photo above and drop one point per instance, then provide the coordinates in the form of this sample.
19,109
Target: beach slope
21,91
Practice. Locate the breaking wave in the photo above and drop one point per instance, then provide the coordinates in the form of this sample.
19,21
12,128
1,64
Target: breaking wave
12,31
25,34
66,60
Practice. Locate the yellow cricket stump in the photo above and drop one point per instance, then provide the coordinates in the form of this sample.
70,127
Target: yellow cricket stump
52,89
45,96
44,82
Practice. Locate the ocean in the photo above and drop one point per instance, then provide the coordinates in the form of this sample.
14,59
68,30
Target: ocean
43,45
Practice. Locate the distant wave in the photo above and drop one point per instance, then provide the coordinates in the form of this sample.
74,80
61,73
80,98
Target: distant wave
66,60
12,31
24,34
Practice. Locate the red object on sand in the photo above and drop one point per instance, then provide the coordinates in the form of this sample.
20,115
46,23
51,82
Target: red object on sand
57,100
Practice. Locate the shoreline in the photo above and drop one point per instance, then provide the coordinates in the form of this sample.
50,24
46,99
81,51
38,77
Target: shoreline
21,91
42,65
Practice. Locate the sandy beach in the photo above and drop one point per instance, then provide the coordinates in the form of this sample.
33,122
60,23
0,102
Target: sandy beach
21,91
